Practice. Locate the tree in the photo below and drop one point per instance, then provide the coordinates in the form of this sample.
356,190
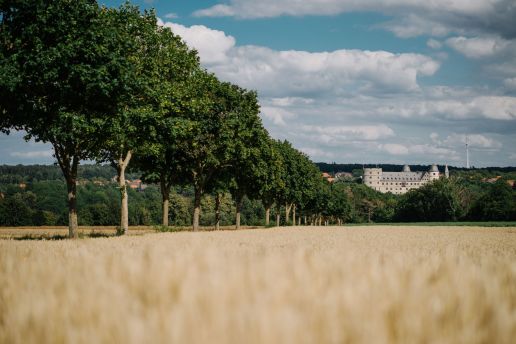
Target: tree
204,144
440,200
249,163
160,63
275,182
497,204
61,76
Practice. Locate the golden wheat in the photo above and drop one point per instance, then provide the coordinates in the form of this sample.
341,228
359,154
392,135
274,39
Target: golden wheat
295,285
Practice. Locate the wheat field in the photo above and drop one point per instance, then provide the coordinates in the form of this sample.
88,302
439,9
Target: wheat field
286,285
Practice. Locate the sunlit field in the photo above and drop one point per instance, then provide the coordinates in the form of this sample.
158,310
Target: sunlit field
296,285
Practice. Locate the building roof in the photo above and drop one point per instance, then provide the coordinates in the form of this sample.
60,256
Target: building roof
433,168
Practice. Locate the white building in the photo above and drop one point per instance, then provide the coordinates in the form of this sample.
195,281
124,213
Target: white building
400,182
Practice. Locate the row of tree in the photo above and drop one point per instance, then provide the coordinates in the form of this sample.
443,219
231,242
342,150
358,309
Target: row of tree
111,85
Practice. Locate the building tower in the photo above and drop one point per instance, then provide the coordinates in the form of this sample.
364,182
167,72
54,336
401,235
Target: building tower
434,172
372,177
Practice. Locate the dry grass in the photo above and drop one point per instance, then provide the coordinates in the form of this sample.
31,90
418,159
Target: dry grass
296,285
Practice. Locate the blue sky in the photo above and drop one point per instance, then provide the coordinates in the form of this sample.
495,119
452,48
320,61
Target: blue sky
358,81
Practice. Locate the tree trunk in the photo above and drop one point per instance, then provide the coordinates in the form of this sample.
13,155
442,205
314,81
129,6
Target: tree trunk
239,200
287,213
197,209
124,211
305,220
278,214
69,165
267,215
294,215
73,225
217,211
165,195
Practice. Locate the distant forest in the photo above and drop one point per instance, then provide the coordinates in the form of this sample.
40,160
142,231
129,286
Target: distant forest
36,195
335,168
13,174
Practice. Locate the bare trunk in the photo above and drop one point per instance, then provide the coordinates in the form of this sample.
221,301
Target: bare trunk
73,225
165,195
69,165
287,212
239,200
294,215
217,211
278,214
197,210
267,215
124,211
305,220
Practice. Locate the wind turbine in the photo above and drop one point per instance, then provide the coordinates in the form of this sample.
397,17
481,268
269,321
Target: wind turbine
467,152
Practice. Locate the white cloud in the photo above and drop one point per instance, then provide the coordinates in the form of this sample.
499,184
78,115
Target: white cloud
212,45
430,151
338,133
394,148
411,18
475,141
510,83
298,73
455,108
479,47
32,154
287,73
434,44
278,116
320,153
171,15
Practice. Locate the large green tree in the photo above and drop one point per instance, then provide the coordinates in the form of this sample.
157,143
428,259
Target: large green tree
61,75
440,200
161,62
249,165
204,143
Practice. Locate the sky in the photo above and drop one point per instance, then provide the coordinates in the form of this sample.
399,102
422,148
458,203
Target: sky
357,81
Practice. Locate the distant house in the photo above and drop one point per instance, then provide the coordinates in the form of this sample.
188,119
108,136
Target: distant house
400,182
328,177
22,186
491,180
136,185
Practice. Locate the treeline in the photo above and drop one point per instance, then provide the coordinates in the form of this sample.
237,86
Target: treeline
474,172
466,196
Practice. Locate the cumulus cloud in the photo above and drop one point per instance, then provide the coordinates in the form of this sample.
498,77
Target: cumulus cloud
480,141
278,116
339,133
412,18
480,47
300,73
394,148
304,73
171,15
434,44
489,107
32,154
212,45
